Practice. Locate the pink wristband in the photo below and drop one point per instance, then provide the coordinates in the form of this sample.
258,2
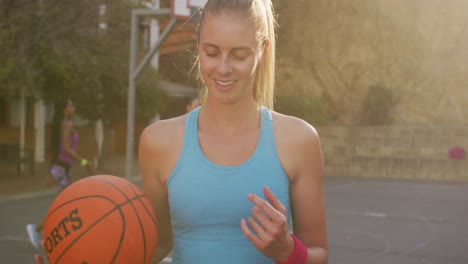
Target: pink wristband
298,255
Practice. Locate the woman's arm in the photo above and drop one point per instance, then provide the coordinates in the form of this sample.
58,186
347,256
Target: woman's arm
307,201
151,153
300,155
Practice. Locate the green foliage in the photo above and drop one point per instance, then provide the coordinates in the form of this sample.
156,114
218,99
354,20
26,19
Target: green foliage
16,45
149,97
62,52
378,105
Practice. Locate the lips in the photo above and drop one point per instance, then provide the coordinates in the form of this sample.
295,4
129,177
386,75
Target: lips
224,85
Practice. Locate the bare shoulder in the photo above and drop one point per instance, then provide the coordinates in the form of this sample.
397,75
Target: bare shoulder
297,144
160,146
162,132
293,129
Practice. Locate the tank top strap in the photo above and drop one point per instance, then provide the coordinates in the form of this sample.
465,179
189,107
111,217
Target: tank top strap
190,139
267,132
190,131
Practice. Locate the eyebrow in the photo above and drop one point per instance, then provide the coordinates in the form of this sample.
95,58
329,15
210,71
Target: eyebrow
235,49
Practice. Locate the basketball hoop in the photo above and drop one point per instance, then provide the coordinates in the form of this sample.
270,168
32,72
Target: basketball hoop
185,9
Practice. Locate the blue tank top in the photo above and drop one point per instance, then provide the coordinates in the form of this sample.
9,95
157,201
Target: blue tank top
207,201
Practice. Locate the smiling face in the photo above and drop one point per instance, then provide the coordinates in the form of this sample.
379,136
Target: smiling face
228,56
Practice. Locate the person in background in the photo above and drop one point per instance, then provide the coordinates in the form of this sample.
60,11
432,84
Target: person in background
63,145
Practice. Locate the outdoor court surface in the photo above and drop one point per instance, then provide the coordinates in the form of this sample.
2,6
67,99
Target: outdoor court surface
369,221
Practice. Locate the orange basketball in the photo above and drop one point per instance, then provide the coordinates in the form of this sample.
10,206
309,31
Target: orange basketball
100,219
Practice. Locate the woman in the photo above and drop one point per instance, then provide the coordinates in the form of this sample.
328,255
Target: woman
64,143
226,178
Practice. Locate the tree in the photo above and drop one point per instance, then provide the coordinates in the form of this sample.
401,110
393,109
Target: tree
55,48
18,46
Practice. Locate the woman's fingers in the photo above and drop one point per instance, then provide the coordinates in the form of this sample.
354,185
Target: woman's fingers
274,201
256,241
272,213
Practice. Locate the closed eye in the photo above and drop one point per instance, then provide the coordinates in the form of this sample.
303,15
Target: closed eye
212,54
240,58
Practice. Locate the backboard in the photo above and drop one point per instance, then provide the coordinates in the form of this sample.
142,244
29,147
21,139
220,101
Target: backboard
184,9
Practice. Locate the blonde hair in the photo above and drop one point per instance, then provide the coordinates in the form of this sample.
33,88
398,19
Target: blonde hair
261,11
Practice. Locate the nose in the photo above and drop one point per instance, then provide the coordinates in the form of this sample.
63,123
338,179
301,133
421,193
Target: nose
224,66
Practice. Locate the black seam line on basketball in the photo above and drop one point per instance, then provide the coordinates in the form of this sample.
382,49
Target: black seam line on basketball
136,214
131,200
155,221
80,198
132,187
86,197
118,207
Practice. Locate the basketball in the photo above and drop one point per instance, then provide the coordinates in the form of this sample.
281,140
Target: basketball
100,219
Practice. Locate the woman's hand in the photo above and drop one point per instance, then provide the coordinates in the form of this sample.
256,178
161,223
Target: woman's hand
269,222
